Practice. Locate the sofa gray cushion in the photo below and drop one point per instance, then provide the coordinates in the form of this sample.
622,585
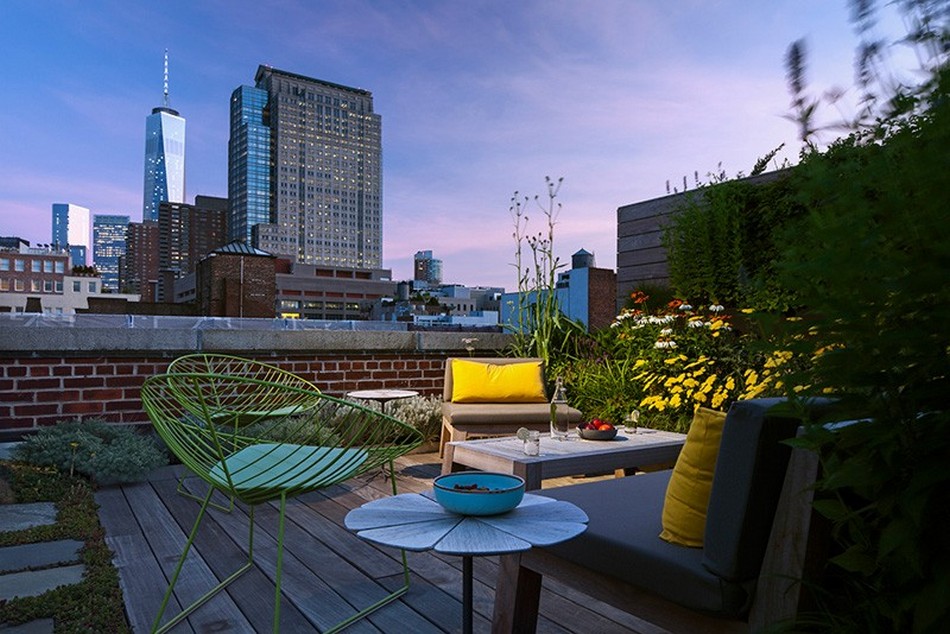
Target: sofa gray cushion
747,482
622,540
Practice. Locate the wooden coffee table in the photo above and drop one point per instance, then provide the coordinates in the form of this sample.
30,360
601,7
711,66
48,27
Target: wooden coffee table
564,458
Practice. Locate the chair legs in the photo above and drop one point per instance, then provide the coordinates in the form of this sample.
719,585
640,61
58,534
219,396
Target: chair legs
181,562
280,562
205,503
389,598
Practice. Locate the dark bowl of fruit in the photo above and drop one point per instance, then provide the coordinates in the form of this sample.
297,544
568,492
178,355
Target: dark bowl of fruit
596,429
478,492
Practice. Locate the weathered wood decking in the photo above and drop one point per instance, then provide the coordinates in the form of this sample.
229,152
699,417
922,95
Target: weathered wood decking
328,572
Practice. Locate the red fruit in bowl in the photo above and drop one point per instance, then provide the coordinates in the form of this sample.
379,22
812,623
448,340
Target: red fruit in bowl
605,427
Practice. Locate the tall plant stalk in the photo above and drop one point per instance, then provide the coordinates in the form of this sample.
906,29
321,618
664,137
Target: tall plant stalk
538,321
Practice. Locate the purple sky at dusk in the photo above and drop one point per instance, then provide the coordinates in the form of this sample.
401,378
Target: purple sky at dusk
478,99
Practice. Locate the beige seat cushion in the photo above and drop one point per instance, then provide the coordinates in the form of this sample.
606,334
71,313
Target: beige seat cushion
504,414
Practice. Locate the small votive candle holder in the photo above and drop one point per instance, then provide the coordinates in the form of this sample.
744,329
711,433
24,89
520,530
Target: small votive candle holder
532,444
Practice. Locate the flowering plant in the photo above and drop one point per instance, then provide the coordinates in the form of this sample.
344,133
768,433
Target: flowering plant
682,357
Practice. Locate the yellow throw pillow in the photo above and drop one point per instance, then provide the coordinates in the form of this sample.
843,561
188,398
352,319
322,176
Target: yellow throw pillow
475,382
687,495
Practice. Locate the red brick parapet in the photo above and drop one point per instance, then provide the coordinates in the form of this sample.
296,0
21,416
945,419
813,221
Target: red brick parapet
43,387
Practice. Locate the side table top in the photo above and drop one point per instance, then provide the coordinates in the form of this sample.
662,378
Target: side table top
416,522
382,395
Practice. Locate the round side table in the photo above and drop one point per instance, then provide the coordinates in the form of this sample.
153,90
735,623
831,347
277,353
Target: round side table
416,522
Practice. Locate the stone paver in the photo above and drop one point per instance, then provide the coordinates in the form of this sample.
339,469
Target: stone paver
6,450
16,517
39,555
39,626
33,583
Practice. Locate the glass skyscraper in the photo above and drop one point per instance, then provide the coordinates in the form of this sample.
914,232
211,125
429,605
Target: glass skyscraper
324,163
249,163
164,157
72,228
108,245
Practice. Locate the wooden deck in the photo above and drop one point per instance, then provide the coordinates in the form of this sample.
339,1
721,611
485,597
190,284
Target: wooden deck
329,573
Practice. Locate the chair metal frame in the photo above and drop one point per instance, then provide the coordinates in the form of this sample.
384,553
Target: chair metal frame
303,441
217,363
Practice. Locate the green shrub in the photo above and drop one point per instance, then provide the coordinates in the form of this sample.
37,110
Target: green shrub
723,241
105,452
420,412
603,388
870,262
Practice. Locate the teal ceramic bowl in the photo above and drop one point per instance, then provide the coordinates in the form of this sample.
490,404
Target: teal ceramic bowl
478,492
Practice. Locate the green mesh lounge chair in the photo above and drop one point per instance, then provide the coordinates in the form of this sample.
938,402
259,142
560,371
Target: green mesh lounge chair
237,412
301,441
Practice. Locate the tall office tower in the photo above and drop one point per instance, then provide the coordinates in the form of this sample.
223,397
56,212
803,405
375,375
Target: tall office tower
72,228
187,233
426,268
323,155
249,164
108,245
164,156
138,271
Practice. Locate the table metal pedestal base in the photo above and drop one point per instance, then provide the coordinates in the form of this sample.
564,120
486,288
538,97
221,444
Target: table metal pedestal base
466,594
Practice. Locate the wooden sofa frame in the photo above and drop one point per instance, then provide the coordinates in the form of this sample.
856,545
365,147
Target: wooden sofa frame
795,543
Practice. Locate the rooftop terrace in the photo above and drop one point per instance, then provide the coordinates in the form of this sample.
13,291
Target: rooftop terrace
327,569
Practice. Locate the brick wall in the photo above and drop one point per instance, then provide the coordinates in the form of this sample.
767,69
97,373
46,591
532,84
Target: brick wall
94,365
37,391
602,298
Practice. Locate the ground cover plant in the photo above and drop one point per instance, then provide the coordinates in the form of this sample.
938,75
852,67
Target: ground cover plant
94,604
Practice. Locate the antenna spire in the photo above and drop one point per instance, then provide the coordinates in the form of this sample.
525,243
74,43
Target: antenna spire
166,78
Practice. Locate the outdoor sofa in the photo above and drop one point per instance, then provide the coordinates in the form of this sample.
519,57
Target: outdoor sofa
495,417
743,578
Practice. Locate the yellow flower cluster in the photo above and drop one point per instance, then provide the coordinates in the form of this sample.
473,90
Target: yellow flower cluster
682,384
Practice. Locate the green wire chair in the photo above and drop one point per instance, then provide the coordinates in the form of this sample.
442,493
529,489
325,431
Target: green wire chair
301,441
234,412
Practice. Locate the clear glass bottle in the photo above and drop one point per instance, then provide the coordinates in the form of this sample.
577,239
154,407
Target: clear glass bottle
560,421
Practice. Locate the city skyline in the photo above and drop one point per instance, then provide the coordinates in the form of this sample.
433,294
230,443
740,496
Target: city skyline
480,99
